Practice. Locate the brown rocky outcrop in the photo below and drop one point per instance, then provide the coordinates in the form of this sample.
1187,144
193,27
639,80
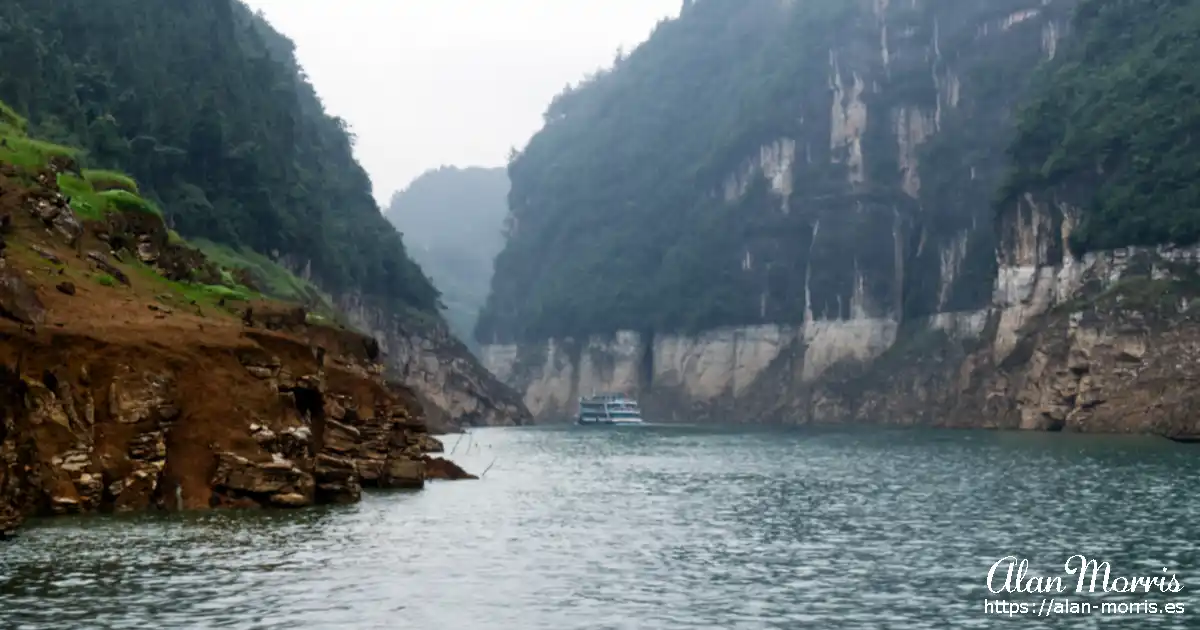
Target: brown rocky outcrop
439,468
145,236
251,419
18,301
112,401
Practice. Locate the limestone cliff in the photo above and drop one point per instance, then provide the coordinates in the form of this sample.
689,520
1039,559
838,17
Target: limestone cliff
454,387
1104,343
846,260
849,219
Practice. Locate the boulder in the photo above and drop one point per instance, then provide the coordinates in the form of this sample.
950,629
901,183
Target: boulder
274,316
10,518
403,473
444,469
430,444
107,267
18,300
278,482
338,480
341,438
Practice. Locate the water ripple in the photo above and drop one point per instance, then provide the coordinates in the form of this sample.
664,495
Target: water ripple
652,527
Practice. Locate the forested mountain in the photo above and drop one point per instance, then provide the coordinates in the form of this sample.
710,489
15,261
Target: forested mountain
203,102
1114,125
752,159
452,220
766,162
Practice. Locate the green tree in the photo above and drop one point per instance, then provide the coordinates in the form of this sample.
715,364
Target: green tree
204,103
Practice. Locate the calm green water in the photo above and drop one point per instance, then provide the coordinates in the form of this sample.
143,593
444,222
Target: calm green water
650,527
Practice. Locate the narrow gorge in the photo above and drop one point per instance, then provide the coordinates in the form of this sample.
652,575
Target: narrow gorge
876,224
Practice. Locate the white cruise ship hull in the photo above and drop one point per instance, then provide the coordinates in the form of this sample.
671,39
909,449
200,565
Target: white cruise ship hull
608,409
606,421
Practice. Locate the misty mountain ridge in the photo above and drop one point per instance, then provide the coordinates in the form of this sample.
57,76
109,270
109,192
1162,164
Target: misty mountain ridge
452,219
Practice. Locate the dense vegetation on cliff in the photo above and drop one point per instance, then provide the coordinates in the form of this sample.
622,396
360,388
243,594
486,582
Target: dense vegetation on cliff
770,162
602,195
204,104
60,194
452,219
1113,125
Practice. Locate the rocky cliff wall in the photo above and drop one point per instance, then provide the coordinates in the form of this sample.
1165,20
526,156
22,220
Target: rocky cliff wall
453,386
874,281
1104,343
870,222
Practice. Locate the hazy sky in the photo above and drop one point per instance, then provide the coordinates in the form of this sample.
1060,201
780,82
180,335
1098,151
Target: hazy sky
431,82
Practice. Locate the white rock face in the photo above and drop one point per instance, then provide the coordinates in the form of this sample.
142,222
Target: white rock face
912,128
712,365
849,119
773,162
553,386
718,362
499,359
831,342
611,365
1031,281
961,325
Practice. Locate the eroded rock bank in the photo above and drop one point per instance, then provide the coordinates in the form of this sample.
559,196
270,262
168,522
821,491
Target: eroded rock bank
127,383
258,418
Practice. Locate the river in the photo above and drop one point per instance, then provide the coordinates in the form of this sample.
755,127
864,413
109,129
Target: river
650,527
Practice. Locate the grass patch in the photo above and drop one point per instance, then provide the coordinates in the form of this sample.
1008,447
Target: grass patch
19,149
9,116
277,282
84,200
222,292
202,294
103,181
22,151
1143,293
106,280
126,201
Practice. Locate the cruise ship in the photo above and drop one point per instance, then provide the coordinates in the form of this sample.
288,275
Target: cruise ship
608,409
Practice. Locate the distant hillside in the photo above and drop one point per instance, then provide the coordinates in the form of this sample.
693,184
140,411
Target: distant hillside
452,220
